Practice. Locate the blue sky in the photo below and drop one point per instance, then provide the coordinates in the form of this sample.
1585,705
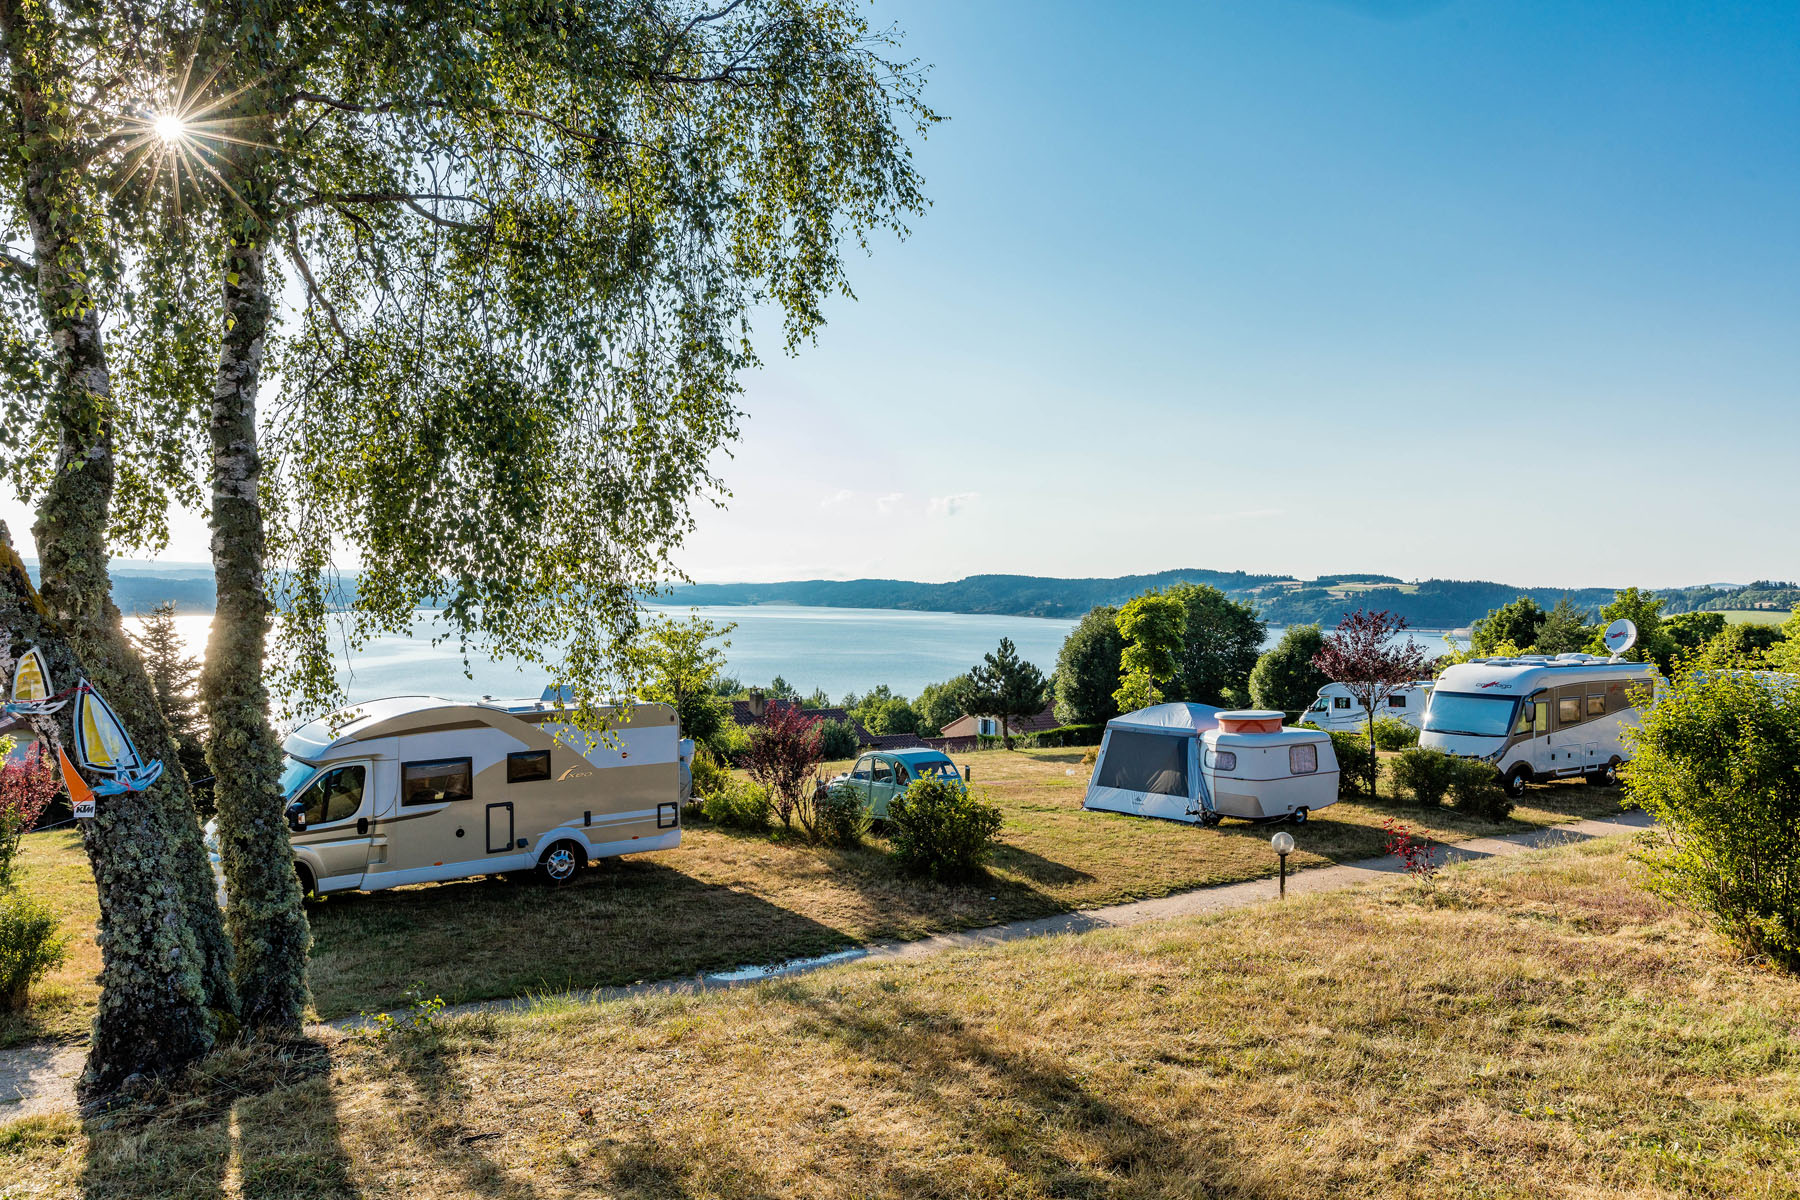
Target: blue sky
1479,290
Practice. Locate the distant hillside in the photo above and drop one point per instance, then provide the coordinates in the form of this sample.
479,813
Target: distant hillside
1282,600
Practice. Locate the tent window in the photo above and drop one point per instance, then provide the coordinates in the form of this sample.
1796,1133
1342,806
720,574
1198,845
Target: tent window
1144,762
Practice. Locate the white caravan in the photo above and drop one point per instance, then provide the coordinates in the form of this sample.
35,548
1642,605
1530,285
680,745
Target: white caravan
1195,763
413,789
1537,717
1336,710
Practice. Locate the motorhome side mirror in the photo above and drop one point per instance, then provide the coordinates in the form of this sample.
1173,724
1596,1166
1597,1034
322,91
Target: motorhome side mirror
296,816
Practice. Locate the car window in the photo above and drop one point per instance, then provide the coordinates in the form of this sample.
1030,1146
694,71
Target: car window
864,768
884,771
334,796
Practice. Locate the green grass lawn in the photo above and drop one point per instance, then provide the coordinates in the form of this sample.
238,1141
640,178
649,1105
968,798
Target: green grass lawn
724,898
1535,1026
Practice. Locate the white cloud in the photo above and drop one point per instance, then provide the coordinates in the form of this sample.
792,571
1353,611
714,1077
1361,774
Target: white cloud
888,503
953,504
841,496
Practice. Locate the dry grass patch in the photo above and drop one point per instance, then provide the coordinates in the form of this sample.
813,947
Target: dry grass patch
725,899
54,868
1533,1027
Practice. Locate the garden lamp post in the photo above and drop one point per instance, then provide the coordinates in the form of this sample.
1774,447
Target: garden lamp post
1283,844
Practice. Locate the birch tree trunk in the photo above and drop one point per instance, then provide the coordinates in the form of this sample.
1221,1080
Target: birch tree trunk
71,528
153,1015
268,927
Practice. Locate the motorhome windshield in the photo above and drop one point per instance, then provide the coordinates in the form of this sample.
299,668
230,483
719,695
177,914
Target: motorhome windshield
1476,716
293,774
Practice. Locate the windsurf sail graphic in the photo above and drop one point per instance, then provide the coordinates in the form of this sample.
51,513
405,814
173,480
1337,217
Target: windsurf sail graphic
101,743
31,682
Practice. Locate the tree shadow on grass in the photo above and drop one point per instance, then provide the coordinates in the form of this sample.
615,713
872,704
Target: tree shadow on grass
627,922
265,1108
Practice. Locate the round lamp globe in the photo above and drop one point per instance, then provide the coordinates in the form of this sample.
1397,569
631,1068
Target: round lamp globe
1283,844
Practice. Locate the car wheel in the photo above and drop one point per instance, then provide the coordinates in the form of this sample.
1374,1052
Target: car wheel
1298,816
562,862
1517,779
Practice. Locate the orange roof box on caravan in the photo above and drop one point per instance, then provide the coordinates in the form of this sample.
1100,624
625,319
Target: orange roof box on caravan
1250,720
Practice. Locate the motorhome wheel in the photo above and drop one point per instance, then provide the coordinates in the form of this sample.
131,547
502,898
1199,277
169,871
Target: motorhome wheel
1516,779
1606,776
562,862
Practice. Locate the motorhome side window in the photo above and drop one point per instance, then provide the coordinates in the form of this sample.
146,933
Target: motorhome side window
1568,710
1596,706
527,766
333,796
437,781
1396,701
1340,702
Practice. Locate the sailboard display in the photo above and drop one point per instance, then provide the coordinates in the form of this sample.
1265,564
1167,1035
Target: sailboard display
103,746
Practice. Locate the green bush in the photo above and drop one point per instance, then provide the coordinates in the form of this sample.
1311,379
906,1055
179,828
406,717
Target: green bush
837,739
1424,774
838,817
709,775
1716,765
30,946
1475,787
738,804
1354,762
940,830
1394,734
1067,735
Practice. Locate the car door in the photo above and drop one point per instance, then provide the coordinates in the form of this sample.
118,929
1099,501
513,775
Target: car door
861,776
881,788
339,804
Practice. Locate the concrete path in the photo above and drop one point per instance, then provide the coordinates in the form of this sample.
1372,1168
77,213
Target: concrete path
41,1077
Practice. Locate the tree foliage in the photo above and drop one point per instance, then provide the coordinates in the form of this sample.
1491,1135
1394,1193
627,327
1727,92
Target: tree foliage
1152,626
1285,678
1362,653
1087,669
1003,686
1644,610
783,756
1515,623
676,662
937,705
1221,639
1718,765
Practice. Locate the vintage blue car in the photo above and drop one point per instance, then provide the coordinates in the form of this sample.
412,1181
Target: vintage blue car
880,775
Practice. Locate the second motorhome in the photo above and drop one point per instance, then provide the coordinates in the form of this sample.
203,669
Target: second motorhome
1538,717
414,789
1336,710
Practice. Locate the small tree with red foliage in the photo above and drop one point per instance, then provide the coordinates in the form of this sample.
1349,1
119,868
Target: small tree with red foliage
784,754
1361,654
26,789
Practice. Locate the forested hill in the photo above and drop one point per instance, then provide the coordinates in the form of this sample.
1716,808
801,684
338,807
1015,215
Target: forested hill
1430,604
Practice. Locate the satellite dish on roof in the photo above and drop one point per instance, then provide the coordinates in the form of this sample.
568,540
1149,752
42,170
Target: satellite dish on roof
1620,636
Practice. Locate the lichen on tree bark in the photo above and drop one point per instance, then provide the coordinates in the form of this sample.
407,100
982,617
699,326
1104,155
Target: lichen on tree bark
153,1014
268,926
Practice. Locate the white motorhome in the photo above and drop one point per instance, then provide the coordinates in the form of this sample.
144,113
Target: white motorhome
1538,717
1337,711
413,789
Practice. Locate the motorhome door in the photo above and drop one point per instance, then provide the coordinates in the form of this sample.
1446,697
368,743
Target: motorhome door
339,804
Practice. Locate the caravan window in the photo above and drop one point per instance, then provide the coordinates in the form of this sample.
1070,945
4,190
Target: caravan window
437,781
334,796
1303,759
1144,762
1222,760
527,766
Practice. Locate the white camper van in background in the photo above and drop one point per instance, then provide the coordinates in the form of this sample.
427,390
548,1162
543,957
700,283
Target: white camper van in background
413,789
1337,711
1537,717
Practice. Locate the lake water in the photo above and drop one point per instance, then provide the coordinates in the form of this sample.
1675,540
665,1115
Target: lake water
838,649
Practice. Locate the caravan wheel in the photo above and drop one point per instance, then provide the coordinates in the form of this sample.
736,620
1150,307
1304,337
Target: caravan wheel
561,862
1298,816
